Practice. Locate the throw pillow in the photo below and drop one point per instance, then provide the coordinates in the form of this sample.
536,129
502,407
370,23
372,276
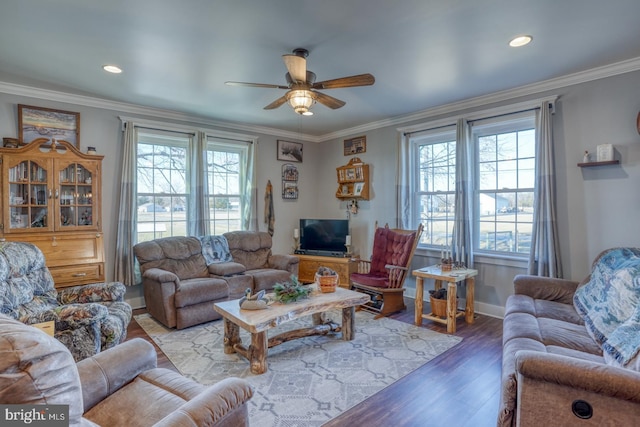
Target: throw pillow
215,249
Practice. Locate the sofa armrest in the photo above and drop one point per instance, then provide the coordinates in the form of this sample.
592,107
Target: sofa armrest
69,316
106,372
284,262
548,384
211,406
95,292
161,276
546,288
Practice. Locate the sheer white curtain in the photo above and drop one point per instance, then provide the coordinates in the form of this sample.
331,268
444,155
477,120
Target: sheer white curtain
125,271
463,219
250,193
544,258
198,220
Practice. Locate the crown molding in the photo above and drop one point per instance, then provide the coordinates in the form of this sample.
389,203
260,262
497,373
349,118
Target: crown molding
157,113
605,71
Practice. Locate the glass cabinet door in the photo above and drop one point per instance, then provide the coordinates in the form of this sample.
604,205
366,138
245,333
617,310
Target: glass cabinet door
76,196
28,196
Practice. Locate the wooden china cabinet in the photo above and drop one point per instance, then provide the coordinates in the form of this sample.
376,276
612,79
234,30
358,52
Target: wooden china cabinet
51,198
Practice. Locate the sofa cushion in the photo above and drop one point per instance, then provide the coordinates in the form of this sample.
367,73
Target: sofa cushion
38,369
266,278
226,269
194,291
249,248
179,255
543,308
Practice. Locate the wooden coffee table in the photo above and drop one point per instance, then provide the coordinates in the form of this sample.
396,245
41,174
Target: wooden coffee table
258,322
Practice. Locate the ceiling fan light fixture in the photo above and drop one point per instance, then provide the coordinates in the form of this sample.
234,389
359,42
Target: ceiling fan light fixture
301,101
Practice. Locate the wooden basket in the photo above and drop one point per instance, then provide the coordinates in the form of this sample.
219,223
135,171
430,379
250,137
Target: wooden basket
438,307
327,283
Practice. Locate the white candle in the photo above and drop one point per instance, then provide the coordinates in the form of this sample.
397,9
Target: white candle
347,240
457,254
296,233
442,252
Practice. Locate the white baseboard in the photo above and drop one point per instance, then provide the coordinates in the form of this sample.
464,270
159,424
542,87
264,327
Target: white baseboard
479,307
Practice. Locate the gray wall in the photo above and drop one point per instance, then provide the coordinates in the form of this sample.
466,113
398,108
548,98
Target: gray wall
597,207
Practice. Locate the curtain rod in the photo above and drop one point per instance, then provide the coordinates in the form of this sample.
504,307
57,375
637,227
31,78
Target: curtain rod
163,130
429,129
504,110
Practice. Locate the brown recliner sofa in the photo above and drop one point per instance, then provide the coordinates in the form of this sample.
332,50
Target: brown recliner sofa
554,372
181,282
120,386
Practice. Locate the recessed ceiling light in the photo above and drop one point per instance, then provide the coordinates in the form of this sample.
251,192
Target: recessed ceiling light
520,41
112,69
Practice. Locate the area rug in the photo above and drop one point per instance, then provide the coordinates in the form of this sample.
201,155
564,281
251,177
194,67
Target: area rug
309,380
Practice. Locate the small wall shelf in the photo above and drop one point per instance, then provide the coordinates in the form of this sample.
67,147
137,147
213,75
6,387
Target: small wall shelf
353,180
593,164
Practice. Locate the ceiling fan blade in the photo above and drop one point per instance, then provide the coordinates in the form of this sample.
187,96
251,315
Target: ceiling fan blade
328,101
256,85
352,81
275,104
297,67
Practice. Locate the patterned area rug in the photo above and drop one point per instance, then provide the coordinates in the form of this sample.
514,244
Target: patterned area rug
309,380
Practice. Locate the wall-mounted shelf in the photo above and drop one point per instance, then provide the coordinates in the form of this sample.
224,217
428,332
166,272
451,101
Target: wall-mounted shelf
593,164
353,180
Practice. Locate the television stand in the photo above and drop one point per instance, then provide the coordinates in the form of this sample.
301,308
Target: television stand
309,265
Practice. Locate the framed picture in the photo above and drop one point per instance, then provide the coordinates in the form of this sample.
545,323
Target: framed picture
39,122
289,151
289,172
357,188
351,174
289,190
355,145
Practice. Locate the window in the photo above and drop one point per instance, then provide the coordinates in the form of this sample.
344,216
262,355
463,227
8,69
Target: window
435,195
224,177
502,176
505,180
164,192
162,185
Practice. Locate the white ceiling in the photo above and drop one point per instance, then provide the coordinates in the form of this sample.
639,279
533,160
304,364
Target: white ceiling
176,55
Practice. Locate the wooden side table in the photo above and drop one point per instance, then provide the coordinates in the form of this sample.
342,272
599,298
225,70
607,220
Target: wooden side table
452,278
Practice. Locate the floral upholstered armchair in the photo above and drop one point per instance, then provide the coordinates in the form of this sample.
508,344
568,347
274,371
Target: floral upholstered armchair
87,318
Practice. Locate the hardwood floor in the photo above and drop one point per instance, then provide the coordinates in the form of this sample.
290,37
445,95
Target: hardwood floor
459,388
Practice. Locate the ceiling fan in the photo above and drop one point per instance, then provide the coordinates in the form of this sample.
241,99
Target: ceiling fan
303,88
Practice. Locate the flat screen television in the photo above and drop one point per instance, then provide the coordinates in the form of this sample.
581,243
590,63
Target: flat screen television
323,236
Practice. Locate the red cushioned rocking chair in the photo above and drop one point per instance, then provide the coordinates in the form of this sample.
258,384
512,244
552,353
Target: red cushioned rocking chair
382,277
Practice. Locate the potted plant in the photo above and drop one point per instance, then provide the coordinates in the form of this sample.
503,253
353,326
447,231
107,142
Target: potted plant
290,291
